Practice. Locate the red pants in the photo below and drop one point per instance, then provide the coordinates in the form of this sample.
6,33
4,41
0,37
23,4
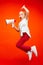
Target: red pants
22,40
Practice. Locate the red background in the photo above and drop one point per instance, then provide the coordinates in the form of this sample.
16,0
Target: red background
9,54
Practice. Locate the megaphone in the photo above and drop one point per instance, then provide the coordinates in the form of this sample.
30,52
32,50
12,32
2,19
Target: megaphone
10,21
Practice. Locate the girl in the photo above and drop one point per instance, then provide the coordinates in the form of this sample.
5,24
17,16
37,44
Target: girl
25,33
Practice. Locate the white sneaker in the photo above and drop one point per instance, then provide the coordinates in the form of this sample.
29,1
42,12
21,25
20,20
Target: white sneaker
34,50
29,53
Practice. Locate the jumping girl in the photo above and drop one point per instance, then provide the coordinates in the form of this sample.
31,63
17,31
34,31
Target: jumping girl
24,33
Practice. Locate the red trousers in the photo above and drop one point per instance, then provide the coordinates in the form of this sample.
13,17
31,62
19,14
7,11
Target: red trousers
20,43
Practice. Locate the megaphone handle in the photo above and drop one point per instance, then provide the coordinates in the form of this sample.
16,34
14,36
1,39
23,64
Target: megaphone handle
12,25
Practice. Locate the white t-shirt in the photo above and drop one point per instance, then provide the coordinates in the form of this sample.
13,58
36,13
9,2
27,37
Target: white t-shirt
23,26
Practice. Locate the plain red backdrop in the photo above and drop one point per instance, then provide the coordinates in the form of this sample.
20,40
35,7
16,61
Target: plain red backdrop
9,54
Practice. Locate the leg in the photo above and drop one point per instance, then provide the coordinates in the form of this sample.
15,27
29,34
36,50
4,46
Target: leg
22,41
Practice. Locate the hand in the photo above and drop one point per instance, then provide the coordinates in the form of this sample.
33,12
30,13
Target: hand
23,6
13,25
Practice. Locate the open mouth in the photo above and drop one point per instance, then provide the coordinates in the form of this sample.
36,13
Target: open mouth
20,17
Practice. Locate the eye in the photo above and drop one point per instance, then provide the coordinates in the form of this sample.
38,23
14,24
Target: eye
21,14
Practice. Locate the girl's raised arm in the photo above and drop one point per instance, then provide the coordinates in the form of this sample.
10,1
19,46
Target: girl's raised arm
26,9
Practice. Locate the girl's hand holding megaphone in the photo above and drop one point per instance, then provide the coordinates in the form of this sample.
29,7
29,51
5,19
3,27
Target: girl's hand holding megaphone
13,24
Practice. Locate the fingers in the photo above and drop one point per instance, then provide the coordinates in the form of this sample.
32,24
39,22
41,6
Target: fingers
13,25
23,6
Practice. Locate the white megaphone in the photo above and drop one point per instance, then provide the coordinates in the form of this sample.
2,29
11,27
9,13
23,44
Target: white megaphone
10,21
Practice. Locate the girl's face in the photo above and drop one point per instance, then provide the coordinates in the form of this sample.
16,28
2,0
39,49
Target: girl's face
21,15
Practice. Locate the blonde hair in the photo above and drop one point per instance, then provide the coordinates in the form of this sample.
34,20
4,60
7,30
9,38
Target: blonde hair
23,11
